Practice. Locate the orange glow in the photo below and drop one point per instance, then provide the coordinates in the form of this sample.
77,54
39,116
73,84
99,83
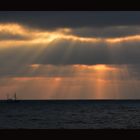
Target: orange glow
121,39
12,28
35,36
92,82
100,67
35,66
57,79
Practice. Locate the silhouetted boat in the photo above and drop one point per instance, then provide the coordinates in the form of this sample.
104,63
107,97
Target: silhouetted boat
13,100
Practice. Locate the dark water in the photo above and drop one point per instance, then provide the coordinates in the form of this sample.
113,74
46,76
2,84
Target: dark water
70,114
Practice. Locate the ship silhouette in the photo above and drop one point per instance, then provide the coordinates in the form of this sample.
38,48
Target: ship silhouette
14,99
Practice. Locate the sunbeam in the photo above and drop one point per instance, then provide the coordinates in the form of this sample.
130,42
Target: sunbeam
61,63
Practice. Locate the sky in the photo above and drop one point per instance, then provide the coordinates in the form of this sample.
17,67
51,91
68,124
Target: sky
70,54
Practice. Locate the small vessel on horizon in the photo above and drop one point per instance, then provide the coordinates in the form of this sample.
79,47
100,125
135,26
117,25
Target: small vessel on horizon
14,99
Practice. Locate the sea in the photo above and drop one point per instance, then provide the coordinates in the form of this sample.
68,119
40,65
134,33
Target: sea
70,114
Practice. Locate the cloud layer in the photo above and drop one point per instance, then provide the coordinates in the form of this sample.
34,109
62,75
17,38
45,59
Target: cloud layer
57,54
71,19
61,47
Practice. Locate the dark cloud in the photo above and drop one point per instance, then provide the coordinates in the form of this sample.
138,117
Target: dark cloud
72,19
82,23
107,32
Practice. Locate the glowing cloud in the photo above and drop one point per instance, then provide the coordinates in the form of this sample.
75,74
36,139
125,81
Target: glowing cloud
35,36
79,59
12,28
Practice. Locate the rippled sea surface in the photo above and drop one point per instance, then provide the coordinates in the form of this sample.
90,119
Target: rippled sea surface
70,114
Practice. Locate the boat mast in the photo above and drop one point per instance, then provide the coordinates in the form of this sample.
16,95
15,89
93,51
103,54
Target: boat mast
15,96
